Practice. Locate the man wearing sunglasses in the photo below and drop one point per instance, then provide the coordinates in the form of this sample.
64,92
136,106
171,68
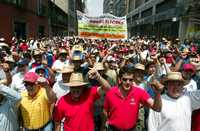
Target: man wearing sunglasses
122,103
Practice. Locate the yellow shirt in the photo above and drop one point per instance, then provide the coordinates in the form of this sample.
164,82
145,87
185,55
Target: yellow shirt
35,111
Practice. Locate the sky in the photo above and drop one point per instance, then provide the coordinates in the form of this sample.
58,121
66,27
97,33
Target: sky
94,7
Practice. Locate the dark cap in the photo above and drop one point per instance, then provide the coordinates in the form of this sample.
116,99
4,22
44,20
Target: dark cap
22,62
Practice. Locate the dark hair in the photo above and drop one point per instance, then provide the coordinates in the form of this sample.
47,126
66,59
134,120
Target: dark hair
125,70
27,55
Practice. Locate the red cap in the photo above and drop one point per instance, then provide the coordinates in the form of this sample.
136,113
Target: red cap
31,77
189,67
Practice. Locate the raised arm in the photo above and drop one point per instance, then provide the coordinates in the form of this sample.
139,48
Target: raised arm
156,102
50,94
13,96
105,86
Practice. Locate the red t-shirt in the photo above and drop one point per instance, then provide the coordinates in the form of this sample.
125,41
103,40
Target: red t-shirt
123,111
78,115
196,120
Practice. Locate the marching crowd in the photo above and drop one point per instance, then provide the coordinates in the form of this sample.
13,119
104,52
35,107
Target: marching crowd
79,84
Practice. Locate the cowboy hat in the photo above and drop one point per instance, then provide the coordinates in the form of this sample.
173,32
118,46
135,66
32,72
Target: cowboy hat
66,69
76,80
139,66
99,66
173,76
37,52
77,48
62,51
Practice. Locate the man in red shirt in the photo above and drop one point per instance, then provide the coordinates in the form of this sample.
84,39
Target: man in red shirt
76,108
122,103
23,46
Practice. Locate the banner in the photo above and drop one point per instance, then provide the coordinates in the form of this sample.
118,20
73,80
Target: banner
106,26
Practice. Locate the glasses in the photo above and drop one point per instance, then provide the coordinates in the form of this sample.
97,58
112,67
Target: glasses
125,79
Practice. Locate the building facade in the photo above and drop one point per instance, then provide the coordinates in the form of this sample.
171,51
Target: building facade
120,8
161,18
108,6
38,18
58,17
74,5
23,19
116,7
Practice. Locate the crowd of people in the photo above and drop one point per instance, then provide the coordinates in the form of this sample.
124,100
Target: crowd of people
79,84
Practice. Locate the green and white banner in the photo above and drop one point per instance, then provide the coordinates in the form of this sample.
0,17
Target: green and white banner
106,26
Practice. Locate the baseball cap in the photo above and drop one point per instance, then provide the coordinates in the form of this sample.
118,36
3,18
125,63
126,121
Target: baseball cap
22,62
31,77
189,67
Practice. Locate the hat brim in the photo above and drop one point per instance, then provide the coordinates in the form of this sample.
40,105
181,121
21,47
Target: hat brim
99,68
76,84
21,64
165,80
138,68
31,81
189,70
39,69
60,71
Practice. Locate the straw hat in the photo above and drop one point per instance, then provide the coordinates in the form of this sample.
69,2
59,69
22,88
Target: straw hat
139,66
173,76
77,48
76,80
66,69
185,51
62,51
37,52
99,66
9,59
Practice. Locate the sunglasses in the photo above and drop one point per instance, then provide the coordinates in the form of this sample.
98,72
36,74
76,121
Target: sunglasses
28,84
125,79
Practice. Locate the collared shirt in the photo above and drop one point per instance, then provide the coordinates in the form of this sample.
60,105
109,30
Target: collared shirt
35,111
123,111
8,109
78,114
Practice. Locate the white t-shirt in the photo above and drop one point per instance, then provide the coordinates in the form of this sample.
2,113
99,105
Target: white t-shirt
17,82
59,65
144,54
175,114
60,89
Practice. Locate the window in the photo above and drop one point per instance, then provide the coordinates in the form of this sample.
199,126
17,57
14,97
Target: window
41,8
19,3
20,30
41,30
147,12
166,5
